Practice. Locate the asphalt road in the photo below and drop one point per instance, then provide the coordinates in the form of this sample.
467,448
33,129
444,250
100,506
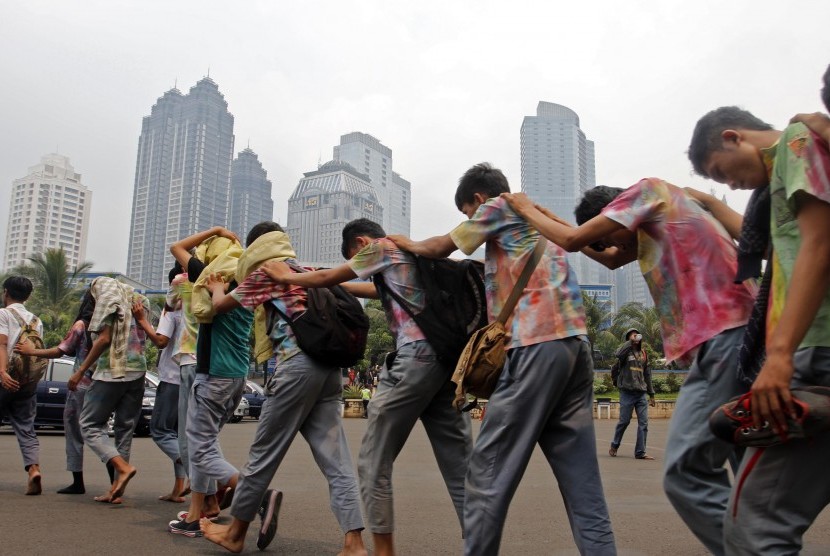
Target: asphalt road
53,524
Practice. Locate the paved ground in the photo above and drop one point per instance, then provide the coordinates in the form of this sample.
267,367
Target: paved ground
644,522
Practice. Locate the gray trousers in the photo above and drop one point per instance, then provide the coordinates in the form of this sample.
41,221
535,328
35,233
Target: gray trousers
101,400
303,396
417,386
545,396
788,486
72,435
20,412
696,481
212,402
164,424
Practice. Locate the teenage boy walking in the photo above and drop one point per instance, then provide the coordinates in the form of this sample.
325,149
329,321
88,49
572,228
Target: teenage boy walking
689,262
17,405
779,490
301,396
416,386
544,394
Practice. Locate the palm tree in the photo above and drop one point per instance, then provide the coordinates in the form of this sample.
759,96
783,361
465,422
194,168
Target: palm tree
56,294
598,320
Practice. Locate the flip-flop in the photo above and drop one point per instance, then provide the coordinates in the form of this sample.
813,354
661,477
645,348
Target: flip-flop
269,512
225,497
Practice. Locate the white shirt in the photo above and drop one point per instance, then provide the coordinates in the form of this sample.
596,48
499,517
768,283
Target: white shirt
170,325
11,328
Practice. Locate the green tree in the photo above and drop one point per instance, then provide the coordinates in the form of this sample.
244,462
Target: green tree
380,339
598,319
56,296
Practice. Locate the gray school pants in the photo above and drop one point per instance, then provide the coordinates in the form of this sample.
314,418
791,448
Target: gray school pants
19,411
101,400
188,375
73,437
784,487
302,396
416,386
695,480
164,424
213,400
544,395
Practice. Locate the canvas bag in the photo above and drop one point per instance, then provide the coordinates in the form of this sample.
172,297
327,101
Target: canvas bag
483,357
27,370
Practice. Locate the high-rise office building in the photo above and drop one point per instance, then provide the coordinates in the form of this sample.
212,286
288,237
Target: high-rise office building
369,156
321,205
251,201
557,164
48,209
182,176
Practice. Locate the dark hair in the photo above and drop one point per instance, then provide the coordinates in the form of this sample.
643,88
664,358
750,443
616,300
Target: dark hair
19,288
825,91
260,230
356,228
481,178
86,308
706,137
175,271
593,201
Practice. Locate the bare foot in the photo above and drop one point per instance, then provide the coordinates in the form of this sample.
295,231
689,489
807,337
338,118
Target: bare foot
120,484
171,498
34,488
219,534
353,545
108,498
210,506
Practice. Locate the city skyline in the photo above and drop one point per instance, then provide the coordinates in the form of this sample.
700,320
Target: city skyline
444,85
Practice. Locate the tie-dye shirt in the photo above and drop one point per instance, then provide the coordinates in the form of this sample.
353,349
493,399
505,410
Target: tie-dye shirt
398,270
551,306
259,289
136,364
74,343
689,263
801,165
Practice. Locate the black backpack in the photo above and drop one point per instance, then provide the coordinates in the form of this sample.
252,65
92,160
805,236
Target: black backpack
455,303
333,329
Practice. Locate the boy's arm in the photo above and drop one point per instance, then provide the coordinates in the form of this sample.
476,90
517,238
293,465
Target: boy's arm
436,247
223,302
181,249
771,396
730,219
27,348
281,273
100,343
818,122
160,340
366,290
8,382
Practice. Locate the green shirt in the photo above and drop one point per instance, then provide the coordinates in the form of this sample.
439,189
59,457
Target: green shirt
230,346
799,165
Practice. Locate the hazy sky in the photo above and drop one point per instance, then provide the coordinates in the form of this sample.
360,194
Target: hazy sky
444,84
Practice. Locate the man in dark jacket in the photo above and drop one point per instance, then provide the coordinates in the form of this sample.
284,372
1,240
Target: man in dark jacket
632,375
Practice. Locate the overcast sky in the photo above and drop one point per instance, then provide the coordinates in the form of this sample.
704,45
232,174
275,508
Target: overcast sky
443,84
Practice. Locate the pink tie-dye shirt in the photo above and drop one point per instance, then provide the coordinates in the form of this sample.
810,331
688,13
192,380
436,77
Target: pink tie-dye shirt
689,263
551,306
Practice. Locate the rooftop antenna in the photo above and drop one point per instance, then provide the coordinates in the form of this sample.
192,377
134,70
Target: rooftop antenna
208,71
319,159
176,83
249,142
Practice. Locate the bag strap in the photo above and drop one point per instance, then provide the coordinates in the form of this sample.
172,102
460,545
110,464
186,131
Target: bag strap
524,278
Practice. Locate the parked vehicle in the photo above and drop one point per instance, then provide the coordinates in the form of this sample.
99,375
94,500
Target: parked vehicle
241,411
255,395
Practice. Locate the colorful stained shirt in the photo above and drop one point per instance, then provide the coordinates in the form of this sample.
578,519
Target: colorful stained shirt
136,360
801,165
74,343
551,306
184,349
259,289
397,267
689,263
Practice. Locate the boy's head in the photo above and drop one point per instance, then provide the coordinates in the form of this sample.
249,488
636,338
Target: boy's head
260,230
479,183
86,308
175,271
16,289
825,91
591,205
726,147
357,234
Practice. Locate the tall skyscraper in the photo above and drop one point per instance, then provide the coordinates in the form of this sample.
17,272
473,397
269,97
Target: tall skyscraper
557,164
251,201
49,208
182,176
371,157
321,205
